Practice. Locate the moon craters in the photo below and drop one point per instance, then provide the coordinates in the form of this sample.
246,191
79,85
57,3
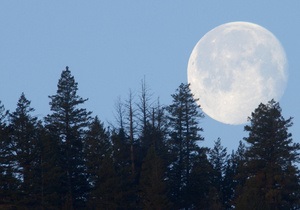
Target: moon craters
233,68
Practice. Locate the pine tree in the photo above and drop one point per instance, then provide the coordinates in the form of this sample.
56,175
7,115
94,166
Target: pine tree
202,182
154,133
69,122
184,135
107,188
25,137
131,132
53,172
152,186
97,146
218,158
272,181
229,181
8,182
122,162
158,135
235,173
100,167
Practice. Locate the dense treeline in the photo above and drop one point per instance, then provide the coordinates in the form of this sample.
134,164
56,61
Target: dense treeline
151,159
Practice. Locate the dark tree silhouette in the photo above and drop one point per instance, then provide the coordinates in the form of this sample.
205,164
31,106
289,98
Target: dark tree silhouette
150,160
218,158
271,175
100,168
27,150
183,116
8,182
69,122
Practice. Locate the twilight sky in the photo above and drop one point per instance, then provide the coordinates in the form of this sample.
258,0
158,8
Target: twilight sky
110,46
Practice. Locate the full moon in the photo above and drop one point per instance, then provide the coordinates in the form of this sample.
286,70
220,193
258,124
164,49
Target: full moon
235,67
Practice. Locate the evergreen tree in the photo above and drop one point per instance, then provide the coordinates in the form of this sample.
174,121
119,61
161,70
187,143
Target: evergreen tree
53,172
152,185
153,189
8,181
131,127
218,158
27,150
160,131
155,133
100,168
229,181
125,197
69,122
184,135
105,194
272,181
97,146
201,181
235,169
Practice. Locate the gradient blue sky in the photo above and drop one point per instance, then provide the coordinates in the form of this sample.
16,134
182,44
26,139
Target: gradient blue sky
111,45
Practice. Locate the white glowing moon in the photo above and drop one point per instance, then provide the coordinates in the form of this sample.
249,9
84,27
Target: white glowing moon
234,67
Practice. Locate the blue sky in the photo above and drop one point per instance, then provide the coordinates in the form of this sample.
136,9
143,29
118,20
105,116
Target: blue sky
110,46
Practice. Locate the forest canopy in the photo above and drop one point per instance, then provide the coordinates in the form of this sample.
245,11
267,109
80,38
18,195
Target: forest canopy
152,158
